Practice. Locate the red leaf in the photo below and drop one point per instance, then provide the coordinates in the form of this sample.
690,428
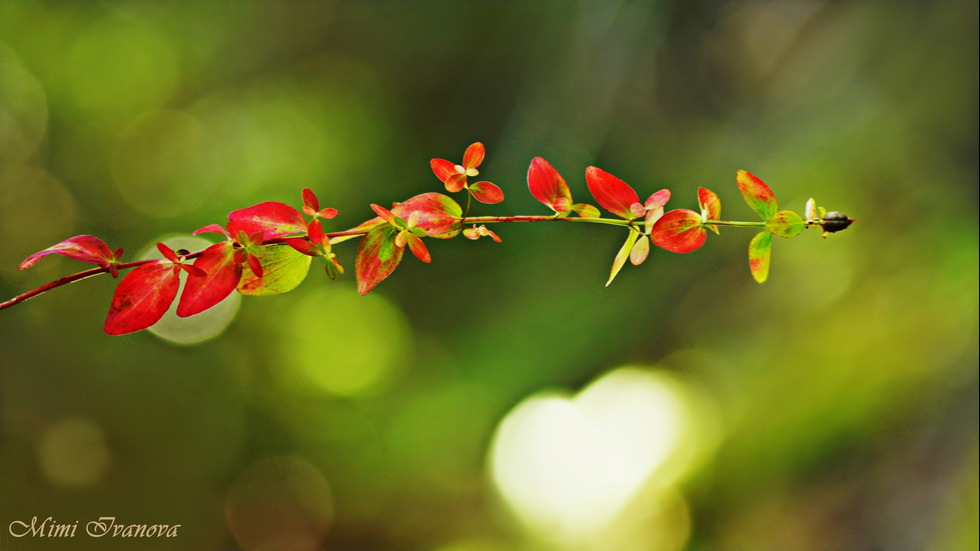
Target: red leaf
438,215
384,213
613,194
83,248
222,273
658,199
548,186
473,156
377,257
487,193
304,246
418,247
757,194
679,231
311,205
710,206
442,168
272,218
168,253
142,297
315,232
213,228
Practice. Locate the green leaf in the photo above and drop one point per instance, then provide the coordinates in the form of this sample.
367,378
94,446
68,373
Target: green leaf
622,255
757,194
785,223
283,268
760,251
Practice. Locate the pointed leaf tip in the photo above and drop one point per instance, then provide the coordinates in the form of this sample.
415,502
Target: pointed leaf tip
622,255
83,248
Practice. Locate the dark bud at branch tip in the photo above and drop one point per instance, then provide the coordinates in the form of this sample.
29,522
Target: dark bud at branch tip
835,222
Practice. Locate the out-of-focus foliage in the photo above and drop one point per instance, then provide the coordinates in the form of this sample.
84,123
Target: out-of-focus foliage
480,401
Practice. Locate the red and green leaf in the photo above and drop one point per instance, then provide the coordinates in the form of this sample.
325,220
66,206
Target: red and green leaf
473,156
760,251
710,206
83,248
272,218
222,272
757,194
547,186
785,223
613,194
438,215
377,257
622,255
679,231
282,269
142,297
487,193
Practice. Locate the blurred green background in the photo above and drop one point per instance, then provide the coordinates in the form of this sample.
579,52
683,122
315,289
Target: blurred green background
834,407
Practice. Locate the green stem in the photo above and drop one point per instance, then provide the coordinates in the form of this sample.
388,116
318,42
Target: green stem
759,224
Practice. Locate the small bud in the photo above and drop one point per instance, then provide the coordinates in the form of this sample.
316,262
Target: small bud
811,209
835,222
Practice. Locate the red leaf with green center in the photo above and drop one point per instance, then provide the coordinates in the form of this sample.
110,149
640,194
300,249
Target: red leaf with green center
377,257
613,194
679,231
222,274
548,186
272,218
710,206
438,215
142,297
757,194
622,255
760,251
487,193
83,248
785,223
283,268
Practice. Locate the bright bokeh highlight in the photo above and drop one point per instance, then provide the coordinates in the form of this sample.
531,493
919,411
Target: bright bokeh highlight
570,466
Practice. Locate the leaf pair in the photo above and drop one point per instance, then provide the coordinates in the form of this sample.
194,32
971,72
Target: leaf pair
383,246
785,223
456,177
